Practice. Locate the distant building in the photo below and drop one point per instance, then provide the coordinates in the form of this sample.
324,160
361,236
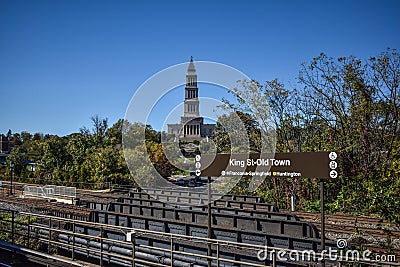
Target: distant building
5,146
192,126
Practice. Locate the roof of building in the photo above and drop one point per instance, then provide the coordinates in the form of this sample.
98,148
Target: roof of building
191,67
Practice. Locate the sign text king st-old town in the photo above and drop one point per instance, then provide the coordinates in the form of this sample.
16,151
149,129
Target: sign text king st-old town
259,162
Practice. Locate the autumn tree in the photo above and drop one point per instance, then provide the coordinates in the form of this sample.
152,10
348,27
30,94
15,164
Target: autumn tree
357,105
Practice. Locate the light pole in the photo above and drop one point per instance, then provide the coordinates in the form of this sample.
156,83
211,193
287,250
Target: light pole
102,175
11,177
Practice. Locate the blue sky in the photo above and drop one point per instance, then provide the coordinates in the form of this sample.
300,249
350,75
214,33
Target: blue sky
62,62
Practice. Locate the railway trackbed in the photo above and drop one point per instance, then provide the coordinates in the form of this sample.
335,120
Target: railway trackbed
374,233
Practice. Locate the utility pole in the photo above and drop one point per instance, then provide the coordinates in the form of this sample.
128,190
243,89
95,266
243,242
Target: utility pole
11,177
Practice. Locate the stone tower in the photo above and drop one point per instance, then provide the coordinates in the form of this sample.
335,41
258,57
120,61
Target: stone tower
191,127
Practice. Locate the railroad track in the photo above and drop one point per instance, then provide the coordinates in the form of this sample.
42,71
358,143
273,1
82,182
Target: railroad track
361,230
369,232
351,224
43,206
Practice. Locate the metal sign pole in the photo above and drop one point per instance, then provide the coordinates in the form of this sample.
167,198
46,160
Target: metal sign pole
131,237
322,194
209,221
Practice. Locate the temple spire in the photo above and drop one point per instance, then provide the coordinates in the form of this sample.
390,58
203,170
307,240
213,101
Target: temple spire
191,68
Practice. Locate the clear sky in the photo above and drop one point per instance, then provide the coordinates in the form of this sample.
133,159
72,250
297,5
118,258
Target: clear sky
63,61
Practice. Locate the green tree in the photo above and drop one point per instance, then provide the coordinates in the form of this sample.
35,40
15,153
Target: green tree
18,157
55,158
25,136
357,103
159,160
114,133
233,130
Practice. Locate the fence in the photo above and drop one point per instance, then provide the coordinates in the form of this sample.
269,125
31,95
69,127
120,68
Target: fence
49,191
30,230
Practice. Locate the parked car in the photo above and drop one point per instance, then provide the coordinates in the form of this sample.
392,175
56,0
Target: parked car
182,181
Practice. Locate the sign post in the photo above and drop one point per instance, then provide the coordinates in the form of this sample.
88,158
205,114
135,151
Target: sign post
322,203
130,237
209,221
279,165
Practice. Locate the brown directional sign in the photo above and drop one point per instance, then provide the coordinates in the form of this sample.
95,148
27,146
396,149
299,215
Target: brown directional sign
284,165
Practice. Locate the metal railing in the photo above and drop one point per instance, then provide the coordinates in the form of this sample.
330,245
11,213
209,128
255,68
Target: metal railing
49,191
48,230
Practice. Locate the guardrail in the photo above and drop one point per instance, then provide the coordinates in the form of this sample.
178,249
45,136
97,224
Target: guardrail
48,230
269,223
49,191
190,192
126,205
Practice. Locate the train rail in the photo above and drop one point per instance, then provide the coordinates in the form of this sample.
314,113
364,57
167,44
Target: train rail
235,218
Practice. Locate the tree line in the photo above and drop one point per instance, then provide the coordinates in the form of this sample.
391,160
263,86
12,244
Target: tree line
88,159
